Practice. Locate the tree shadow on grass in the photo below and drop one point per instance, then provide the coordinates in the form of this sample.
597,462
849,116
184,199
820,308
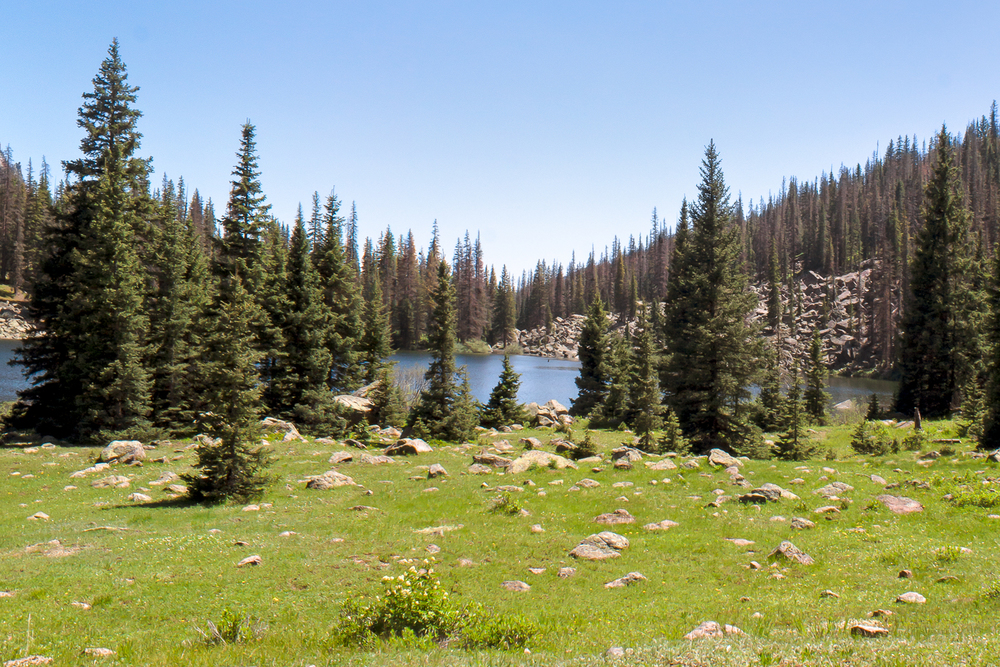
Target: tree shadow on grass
177,502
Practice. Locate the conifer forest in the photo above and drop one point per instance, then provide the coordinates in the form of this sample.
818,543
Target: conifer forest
161,311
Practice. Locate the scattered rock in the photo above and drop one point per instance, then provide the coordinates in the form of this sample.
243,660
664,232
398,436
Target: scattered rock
139,498
740,542
537,528
480,469
98,652
879,613
178,489
407,447
878,480
905,574
531,443
600,546
587,483
28,661
39,516
331,479
433,549
540,459
376,460
516,586
630,454
619,516
123,451
790,552
827,509
566,572
627,580
340,457
833,489
829,594
900,504
250,561
165,478
911,598
666,524
615,652
711,629
663,464
798,523
492,460
436,470
717,457
112,482
868,630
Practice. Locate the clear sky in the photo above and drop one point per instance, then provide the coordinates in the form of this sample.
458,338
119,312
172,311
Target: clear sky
545,126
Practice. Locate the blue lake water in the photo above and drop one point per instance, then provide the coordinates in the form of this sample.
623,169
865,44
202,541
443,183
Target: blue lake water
541,379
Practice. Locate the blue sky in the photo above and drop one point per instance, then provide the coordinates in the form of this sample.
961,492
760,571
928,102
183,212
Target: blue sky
547,127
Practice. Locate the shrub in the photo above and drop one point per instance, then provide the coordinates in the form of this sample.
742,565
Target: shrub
872,438
586,448
504,504
414,606
413,601
483,630
915,441
233,628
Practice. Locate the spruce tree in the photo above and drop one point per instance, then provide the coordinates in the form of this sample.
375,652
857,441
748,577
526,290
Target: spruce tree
504,312
614,407
342,296
794,445
442,409
270,281
303,387
772,404
178,325
931,340
89,372
502,409
816,397
646,398
990,437
714,352
388,406
592,382
231,469
376,339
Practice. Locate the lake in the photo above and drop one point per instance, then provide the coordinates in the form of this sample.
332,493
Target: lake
541,379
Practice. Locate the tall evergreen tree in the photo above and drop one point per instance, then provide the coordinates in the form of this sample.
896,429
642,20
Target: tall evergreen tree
816,397
376,338
504,315
990,437
714,353
442,410
931,340
647,400
592,350
89,373
502,409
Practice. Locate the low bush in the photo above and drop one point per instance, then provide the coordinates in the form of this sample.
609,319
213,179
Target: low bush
872,438
414,606
233,628
504,504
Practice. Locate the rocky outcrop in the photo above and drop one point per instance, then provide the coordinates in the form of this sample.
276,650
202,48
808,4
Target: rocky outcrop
14,323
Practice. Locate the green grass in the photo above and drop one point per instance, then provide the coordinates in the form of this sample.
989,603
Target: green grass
169,567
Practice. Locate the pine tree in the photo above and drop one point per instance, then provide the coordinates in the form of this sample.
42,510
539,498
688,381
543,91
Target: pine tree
504,315
990,437
388,406
646,398
930,340
342,296
177,318
270,281
247,216
306,366
89,373
773,293
502,409
794,445
613,409
714,354
376,339
231,469
442,408
816,397
772,405
592,382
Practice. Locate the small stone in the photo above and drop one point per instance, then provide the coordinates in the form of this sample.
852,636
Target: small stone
754,565
98,652
827,509
757,614
666,524
430,489
627,580
436,470
536,570
711,629
798,523
29,661
587,483
905,574
740,542
537,528
868,630
252,508
566,572
790,552
250,561
433,549
465,562
81,605
139,498
911,598
39,516
828,594
880,613
900,504
515,586
615,652
287,533
619,516
178,489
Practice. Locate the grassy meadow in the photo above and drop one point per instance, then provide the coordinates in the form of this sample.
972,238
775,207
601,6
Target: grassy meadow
140,578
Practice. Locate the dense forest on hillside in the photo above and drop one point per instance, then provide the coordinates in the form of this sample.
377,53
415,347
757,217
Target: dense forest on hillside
158,316
861,217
